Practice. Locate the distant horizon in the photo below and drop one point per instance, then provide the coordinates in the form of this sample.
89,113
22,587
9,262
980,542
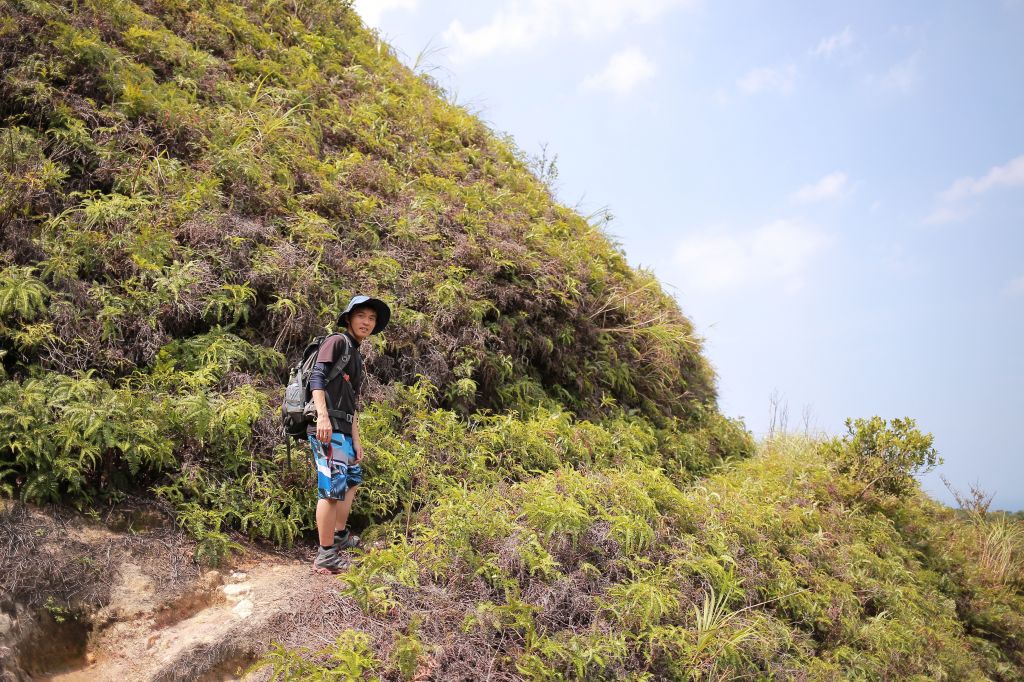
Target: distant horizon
834,195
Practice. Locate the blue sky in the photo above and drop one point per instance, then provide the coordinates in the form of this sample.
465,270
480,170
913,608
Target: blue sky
833,191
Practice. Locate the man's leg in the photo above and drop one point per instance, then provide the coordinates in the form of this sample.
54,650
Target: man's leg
353,477
326,507
331,485
326,515
344,507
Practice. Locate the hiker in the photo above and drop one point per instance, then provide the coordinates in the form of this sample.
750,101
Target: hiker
334,437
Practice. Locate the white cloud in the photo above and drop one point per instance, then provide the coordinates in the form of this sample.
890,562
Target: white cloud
950,207
780,79
832,186
622,73
834,43
372,10
946,214
1015,287
520,24
506,31
901,77
774,255
1010,174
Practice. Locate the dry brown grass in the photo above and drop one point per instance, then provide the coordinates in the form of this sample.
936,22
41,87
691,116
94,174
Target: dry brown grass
57,555
996,540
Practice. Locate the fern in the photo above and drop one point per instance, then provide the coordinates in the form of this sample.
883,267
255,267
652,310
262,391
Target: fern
22,295
555,515
644,601
230,304
633,533
349,659
274,513
208,357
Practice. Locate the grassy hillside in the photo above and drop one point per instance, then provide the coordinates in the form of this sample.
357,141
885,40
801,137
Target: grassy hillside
185,168
782,566
193,189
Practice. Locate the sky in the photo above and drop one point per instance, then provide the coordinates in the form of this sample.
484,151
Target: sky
833,191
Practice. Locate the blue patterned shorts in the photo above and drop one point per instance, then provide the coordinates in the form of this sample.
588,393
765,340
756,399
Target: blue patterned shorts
334,476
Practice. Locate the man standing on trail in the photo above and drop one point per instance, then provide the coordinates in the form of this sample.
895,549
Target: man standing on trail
334,438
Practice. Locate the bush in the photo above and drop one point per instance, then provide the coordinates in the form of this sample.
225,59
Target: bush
883,455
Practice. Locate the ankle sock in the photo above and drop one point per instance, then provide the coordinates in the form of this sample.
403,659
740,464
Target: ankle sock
325,548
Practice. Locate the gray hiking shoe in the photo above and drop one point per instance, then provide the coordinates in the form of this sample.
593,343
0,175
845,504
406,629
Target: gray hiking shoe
345,539
328,560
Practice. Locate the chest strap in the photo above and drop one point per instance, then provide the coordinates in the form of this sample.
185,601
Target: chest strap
341,415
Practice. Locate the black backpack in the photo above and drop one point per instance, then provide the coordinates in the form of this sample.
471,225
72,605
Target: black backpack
297,408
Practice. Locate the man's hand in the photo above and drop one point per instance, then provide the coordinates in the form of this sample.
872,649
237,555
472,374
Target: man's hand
358,447
323,428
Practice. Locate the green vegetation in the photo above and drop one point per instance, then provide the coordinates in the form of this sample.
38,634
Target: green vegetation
883,456
192,190
776,567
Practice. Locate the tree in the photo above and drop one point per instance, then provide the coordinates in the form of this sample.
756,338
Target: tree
884,455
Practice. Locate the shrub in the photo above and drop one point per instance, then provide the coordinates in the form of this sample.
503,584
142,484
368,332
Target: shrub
756,572
883,455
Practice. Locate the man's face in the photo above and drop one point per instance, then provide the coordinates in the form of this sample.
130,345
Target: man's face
361,322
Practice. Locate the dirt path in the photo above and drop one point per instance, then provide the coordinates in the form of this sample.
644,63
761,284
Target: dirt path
210,632
121,599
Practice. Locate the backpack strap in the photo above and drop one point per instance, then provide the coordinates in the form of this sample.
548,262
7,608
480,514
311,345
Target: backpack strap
340,363
337,368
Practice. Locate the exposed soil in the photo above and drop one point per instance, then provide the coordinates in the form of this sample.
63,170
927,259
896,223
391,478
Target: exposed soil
210,633
55,645
83,602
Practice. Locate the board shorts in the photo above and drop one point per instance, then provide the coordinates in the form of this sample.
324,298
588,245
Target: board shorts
336,467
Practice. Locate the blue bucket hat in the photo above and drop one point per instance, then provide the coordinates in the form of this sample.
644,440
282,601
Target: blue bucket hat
383,312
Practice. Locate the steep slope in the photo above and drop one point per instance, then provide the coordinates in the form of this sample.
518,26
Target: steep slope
783,566
195,189
178,168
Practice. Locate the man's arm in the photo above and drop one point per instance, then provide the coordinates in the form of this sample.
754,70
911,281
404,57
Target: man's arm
323,420
357,445
318,387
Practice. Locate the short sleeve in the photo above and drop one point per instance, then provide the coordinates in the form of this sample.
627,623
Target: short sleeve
329,349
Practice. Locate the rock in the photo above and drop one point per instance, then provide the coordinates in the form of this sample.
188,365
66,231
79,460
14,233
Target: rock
243,609
235,591
10,671
212,580
133,594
